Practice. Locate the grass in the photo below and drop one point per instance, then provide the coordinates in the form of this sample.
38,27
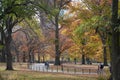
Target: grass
30,75
20,74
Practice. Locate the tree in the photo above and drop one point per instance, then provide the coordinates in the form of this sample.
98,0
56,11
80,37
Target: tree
78,15
115,41
11,11
52,9
30,39
97,20
34,34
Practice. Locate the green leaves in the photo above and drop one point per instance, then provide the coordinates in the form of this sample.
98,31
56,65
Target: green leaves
33,25
55,11
81,29
95,22
20,8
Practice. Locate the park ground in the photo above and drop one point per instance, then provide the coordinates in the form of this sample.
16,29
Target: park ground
21,72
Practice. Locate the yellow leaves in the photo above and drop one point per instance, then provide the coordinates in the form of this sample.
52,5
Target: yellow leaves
73,49
86,33
81,14
75,23
64,31
94,38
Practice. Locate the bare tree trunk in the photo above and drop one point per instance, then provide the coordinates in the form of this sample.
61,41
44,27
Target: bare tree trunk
18,58
57,50
29,59
24,60
38,57
32,57
105,54
115,45
83,56
8,53
43,58
83,59
3,58
103,37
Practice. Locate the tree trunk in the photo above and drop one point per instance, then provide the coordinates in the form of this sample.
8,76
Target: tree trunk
105,56
38,57
43,58
83,59
103,37
8,38
24,60
9,61
115,58
104,53
32,57
83,56
57,52
3,57
57,60
17,56
29,60
115,45
8,53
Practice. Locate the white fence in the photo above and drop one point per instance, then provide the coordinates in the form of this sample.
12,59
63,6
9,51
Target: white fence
62,69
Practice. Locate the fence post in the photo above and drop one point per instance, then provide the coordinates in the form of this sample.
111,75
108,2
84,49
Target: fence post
57,68
67,69
74,70
43,69
36,68
51,69
89,71
39,68
82,71
47,69
62,68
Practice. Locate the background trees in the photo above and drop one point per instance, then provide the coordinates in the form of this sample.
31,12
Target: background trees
78,27
98,19
70,28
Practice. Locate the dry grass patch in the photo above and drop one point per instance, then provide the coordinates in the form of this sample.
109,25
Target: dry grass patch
29,75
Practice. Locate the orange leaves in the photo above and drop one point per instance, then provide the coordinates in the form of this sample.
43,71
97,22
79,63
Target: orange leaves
67,44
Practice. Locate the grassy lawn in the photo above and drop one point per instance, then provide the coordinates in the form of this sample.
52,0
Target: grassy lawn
30,75
20,74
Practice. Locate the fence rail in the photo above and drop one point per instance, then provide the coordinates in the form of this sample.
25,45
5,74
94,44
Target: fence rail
64,69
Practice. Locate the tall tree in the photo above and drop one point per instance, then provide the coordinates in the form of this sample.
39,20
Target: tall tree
31,33
97,20
115,42
78,33
11,15
52,9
